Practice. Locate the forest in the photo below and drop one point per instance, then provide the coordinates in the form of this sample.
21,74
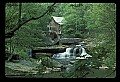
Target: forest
28,30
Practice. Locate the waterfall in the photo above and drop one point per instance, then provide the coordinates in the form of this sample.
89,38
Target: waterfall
83,52
68,55
68,50
74,51
71,55
63,55
77,50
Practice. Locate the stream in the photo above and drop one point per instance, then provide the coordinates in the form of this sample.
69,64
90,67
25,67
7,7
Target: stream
25,68
76,53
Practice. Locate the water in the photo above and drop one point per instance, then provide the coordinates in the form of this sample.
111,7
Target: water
63,55
84,53
74,51
71,54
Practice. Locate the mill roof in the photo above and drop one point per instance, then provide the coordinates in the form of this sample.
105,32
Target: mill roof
59,20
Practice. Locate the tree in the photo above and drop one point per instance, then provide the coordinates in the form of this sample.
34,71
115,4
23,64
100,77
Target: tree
11,32
102,26
31,34
75,16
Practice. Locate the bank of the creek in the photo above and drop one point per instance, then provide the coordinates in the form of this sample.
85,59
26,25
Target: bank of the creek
32,68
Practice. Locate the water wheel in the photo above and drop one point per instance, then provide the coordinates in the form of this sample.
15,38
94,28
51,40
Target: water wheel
54,37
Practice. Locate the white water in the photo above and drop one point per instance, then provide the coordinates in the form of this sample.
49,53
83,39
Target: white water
74,51
84,53
68,50
63,55
69,55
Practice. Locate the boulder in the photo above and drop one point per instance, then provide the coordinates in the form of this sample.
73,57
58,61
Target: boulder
50,62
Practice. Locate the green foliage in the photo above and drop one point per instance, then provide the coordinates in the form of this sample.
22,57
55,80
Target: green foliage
11,13
46,61
29,35
105,28
96,20
80,69
22,53
40,69
98,57
76,21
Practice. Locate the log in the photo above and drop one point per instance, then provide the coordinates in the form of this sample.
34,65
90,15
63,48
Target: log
52,50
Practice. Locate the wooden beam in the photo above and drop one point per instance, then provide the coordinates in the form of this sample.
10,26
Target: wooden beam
48,50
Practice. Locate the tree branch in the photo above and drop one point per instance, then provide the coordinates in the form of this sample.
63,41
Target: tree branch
19,17
85,74
110,73
24,22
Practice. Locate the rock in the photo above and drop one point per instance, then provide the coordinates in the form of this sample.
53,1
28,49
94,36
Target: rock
19,68
72,62
70,40
69,68
56,63
80,58
15,61
56,69
49,62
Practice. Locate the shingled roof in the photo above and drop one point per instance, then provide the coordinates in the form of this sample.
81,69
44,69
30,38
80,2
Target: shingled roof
59,20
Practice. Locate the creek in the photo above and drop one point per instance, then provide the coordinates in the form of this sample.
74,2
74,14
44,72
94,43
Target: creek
72,53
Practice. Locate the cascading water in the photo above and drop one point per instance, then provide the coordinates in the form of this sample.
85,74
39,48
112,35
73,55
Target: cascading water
82,54
74,51
63,55
71,54
78,52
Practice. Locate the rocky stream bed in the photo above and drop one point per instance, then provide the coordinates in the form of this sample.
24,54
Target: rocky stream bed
34,68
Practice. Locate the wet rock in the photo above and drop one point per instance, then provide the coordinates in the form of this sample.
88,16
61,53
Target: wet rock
18,68
49,62
69,68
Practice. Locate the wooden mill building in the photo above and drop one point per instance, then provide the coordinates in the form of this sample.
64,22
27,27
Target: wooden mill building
55,24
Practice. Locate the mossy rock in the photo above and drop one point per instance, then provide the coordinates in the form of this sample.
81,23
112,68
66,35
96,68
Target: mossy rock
49,62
